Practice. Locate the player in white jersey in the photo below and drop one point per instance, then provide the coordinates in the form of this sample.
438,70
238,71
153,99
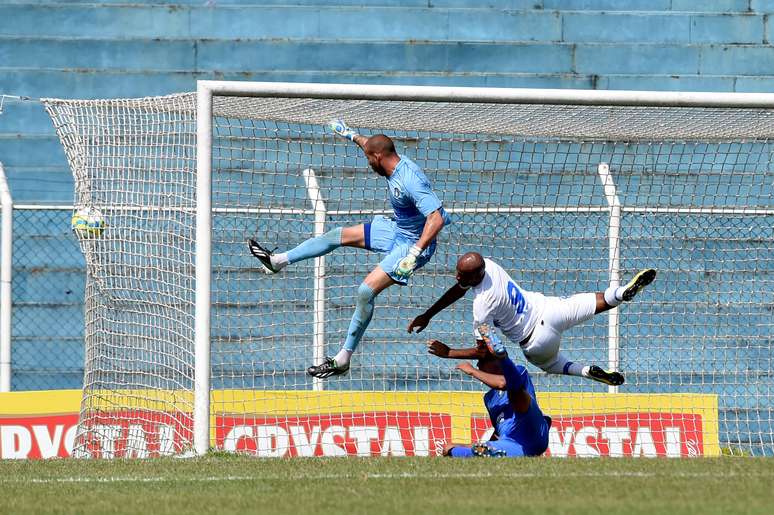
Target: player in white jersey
533,321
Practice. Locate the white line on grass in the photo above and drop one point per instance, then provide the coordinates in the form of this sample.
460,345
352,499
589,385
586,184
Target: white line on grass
405,475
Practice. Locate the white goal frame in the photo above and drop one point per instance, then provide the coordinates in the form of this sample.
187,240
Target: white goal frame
207,89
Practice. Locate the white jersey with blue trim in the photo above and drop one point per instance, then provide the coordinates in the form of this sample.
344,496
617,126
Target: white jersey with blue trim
501,303
412,199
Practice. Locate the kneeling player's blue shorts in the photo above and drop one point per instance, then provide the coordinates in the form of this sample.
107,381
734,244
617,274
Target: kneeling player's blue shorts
381,235
531,439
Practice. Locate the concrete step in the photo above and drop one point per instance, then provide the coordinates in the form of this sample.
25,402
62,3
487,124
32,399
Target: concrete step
385,59
356,23
579,27
32,185
295,22
724,6
91,83
143,54
49,285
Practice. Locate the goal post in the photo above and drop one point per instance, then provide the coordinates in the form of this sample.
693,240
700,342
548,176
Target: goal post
569,190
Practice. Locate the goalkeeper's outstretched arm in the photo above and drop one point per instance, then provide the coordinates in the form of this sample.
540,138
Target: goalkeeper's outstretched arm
342,129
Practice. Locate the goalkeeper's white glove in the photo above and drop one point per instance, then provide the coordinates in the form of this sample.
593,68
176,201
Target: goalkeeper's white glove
408,264
342,129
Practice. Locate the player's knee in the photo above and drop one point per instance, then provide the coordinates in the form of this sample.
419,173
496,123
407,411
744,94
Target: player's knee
365,295
333,236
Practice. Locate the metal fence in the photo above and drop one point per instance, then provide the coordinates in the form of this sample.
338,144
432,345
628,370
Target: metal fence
48,280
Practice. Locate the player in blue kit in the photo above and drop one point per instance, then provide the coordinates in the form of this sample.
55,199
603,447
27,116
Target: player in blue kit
408,240
521,429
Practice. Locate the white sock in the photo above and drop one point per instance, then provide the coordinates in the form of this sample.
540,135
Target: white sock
613,295
585,371
343,357
279,261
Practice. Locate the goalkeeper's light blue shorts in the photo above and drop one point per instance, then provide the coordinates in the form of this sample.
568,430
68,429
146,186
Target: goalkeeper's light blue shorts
381,235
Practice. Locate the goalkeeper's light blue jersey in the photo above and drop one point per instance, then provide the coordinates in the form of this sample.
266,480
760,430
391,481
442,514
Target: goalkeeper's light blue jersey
412,199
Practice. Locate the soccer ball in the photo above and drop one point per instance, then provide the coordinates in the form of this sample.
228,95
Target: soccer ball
88,222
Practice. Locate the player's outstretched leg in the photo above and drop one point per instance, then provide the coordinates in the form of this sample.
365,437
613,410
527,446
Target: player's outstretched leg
367,292
311,248
264,255
638,282
561,365
327,368
615,296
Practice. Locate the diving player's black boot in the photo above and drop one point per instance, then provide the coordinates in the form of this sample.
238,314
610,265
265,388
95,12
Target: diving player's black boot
638,282
611,378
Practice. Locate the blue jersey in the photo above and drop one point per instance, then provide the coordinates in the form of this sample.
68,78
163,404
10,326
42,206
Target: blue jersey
529,429
412,199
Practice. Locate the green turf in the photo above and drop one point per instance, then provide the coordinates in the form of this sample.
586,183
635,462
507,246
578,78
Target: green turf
225,484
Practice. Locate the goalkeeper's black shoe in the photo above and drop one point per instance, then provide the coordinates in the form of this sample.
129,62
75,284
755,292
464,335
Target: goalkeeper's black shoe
327,368
263,255
638,282
603,376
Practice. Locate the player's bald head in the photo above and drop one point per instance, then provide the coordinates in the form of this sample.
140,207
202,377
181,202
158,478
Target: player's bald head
470,262
380,144
470,269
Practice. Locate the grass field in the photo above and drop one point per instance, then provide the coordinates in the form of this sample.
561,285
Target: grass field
232,484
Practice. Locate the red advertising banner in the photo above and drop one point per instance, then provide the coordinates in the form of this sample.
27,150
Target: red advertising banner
48,436
618,434
392,433
43,424
134,436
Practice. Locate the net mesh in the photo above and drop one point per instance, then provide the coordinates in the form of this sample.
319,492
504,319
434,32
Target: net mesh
522,185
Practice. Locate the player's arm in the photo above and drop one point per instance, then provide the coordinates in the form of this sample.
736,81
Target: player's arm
427,203
433,226
440,349
345,131
360,140
451,296
495,381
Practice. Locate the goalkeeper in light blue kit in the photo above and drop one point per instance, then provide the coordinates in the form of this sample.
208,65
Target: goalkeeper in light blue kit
521,428
408,240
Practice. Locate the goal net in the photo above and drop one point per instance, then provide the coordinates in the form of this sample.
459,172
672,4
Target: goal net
568,195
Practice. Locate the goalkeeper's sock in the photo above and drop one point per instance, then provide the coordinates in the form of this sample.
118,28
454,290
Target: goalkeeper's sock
343,357
279,261
315,247
614,295
364,310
